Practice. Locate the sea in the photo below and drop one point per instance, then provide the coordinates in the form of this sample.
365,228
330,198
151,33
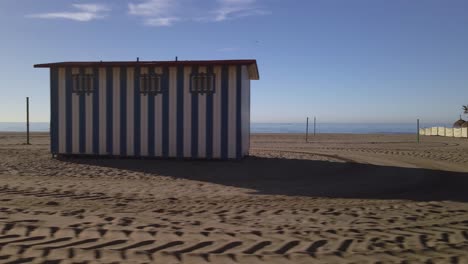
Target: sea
349,128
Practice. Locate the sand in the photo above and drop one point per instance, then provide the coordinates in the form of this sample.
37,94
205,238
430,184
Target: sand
336,199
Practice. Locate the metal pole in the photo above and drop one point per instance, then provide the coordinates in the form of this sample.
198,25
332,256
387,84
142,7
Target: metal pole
307,129
27,120
315,121
418,129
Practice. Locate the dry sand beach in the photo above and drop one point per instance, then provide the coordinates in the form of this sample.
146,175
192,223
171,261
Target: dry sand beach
336,199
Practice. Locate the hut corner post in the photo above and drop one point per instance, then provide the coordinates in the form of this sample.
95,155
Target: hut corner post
27,121
417,129
307,129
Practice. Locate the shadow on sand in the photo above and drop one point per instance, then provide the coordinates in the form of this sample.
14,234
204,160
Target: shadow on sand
291,177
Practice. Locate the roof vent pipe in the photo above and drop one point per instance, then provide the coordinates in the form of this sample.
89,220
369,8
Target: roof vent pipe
176,59
138,59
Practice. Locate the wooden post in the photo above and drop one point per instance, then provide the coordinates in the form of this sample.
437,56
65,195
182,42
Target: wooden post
315,121
418,129
307,129
27,120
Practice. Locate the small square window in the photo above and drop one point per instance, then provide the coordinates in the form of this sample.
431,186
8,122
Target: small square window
82,84
150,84
202,83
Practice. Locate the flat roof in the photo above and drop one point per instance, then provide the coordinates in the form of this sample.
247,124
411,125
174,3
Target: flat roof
252,64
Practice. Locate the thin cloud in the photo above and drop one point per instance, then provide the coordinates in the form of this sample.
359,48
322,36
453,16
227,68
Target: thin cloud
151,8
231,9
168,12
84,13
161,21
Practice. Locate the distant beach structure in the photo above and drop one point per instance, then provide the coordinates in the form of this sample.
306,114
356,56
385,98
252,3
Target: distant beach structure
458,130
167,109
459,123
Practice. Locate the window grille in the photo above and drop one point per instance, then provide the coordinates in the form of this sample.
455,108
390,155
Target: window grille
150,84
202,83
83,84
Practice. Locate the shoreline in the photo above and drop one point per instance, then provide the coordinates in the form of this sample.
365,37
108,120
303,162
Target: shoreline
333,127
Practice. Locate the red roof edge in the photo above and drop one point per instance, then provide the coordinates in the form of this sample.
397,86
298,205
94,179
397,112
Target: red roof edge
254,74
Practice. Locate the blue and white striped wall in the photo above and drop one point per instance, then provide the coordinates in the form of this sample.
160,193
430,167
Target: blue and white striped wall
117,120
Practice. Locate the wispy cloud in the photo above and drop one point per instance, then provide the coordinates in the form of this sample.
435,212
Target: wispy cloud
230,9
161,21
83,13
168,12
151,8
157,13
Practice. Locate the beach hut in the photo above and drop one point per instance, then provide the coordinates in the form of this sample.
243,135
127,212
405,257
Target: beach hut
464,128
167,109
449,132
428,131
441,131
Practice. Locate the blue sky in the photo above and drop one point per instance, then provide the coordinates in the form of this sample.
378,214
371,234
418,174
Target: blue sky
341,60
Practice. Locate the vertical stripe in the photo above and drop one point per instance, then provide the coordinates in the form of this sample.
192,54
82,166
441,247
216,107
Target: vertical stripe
187,113
245,111
96,95
209,120
103,113
238,112
63,120
144,117
68,110
82,119
123,111
130,111
224,112
180,111
88,113
232,113
75,119
201,121
172,112
165,113
194,118
108,118
116,111
54,109
217,114
158,123
247,93
151,121
137,112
